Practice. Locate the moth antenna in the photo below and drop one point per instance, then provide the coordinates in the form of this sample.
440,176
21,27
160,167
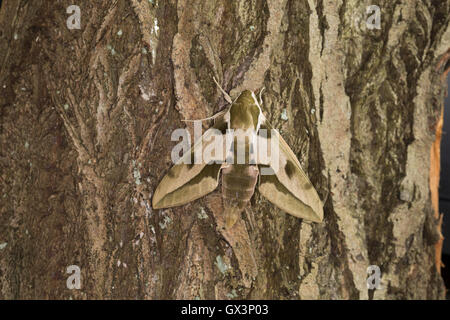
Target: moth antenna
204,119
227,96
209,118
260,95
326,197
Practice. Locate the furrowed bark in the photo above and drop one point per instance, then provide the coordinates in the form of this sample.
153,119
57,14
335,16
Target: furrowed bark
86,123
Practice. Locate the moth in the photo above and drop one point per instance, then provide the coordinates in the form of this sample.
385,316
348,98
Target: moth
286,185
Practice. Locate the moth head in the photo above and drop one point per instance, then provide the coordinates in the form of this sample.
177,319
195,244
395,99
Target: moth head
246,98
245,111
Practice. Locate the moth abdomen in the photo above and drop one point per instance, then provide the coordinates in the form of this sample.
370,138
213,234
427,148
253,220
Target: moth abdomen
238,184
237,197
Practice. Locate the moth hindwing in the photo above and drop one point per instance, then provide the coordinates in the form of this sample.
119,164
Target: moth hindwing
242,132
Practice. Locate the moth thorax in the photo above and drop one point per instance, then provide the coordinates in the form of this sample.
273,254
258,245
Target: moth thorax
243,147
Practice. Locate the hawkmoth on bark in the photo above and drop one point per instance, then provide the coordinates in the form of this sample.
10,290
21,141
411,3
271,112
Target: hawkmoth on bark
281,179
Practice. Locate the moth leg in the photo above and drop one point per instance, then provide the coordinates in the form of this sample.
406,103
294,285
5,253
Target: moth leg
326,197
250,218
227,96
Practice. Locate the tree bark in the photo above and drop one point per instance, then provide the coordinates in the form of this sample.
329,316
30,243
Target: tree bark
86,122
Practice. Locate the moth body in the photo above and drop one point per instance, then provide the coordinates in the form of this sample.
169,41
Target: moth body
238,187
238,184
239,180
287,186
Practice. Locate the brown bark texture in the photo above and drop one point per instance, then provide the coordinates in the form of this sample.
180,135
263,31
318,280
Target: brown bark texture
86,121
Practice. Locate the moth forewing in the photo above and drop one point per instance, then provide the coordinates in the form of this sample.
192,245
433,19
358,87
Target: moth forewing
289,188
274,191
214,149
202,183
268,151
186,181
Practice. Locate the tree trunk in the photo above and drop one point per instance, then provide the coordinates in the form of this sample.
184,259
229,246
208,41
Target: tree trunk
86,122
